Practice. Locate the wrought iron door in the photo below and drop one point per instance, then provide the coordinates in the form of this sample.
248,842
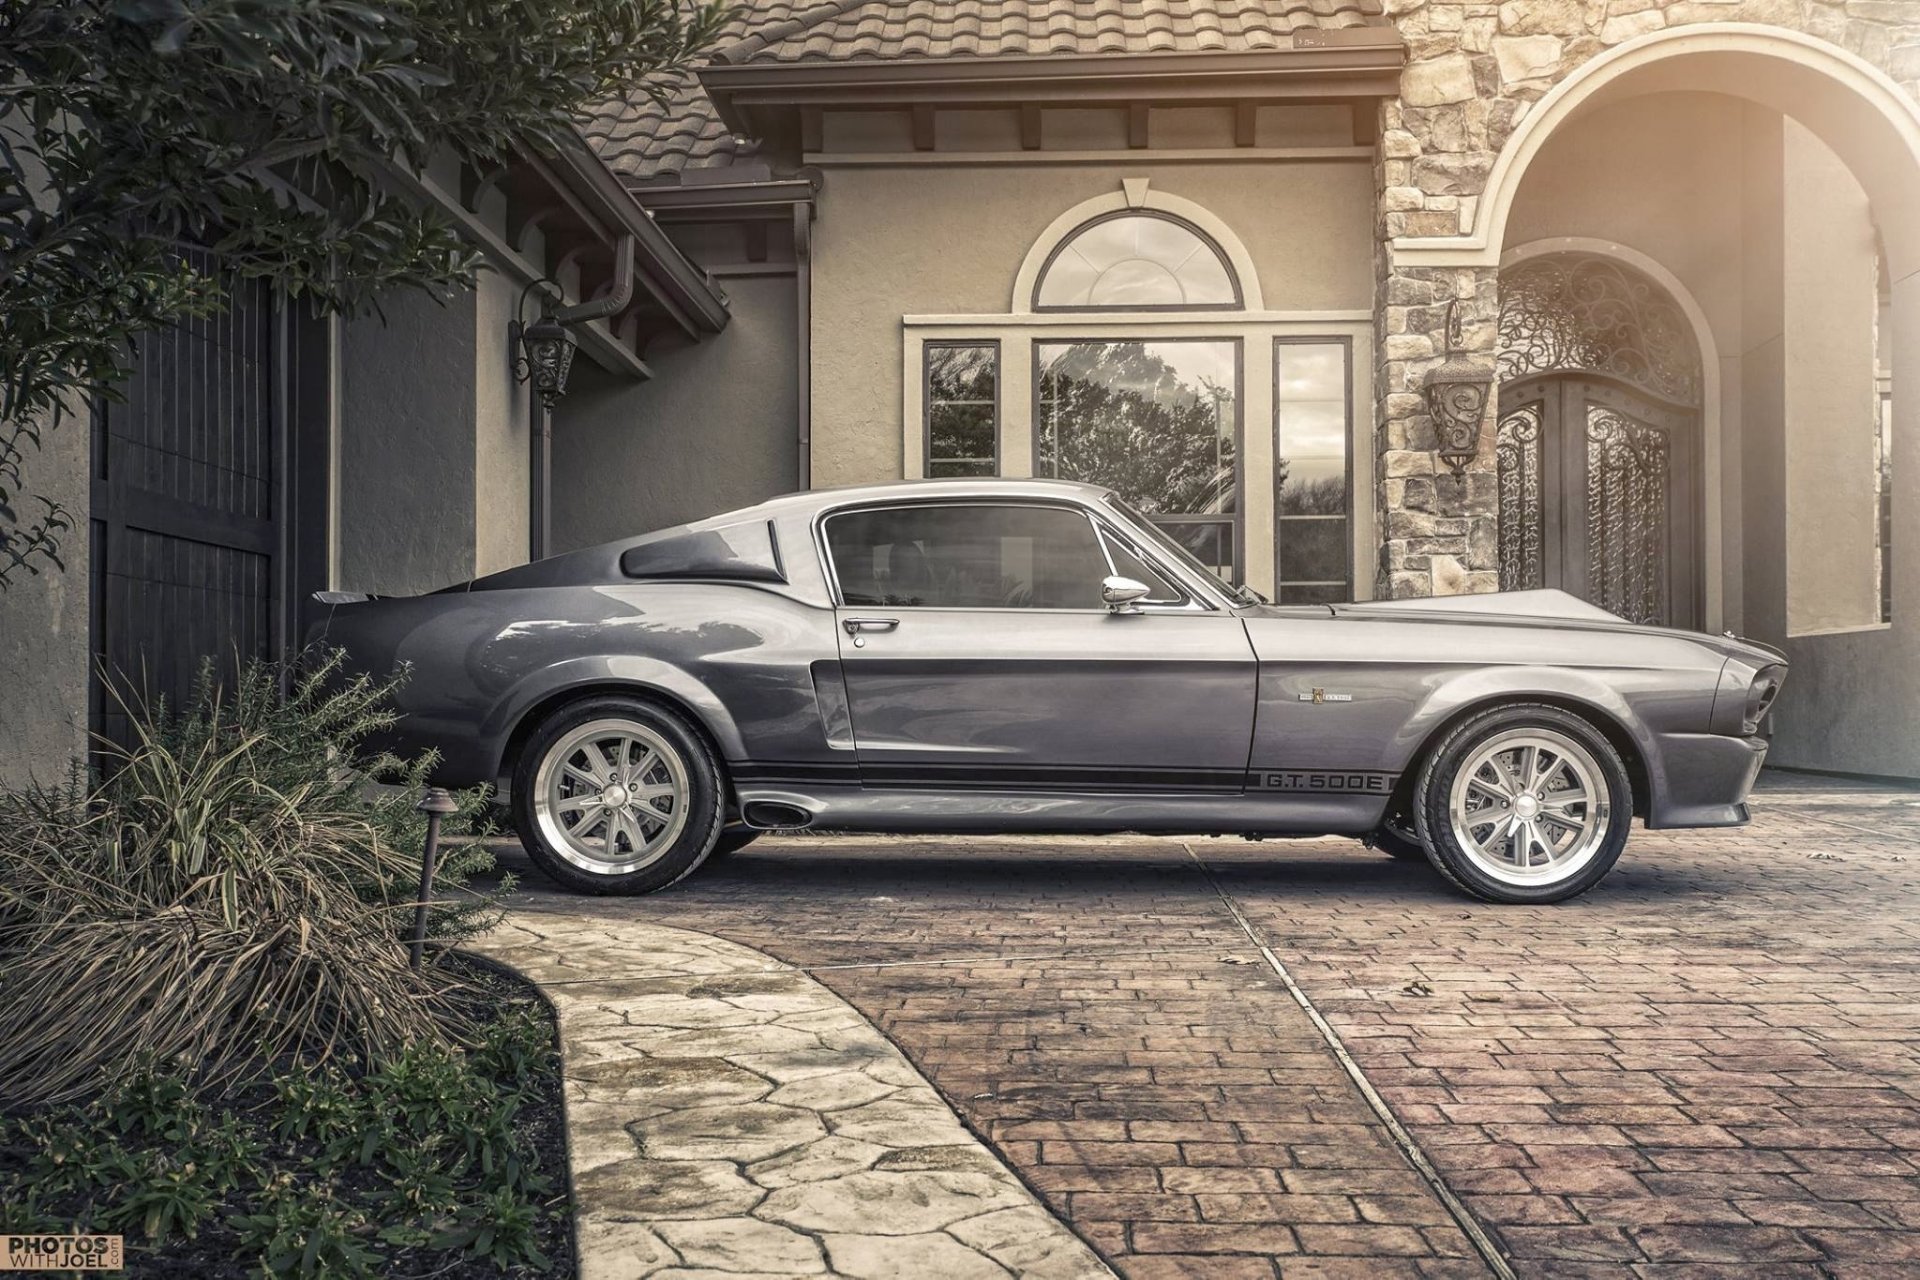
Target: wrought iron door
1596,490
192,533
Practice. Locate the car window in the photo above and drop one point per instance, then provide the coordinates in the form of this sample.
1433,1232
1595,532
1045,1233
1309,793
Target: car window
1128,564
954,556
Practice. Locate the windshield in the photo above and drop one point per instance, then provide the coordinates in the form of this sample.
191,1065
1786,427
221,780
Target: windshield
1185,558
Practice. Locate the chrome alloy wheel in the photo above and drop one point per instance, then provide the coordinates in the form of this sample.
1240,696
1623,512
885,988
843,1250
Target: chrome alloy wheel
611,796
1530,806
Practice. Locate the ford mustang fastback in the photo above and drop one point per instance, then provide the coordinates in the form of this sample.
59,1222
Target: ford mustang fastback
1035,656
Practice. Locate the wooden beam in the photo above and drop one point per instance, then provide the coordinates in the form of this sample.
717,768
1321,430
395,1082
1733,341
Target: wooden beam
1029,126
813,132
1246,119
1366,123
923,128
1136,125
756,237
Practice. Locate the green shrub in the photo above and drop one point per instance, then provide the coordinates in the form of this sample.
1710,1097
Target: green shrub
419,1165
230,894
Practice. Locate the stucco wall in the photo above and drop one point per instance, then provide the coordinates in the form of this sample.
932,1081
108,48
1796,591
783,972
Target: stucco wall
1831,283
892,242
406,483
501,448
715,428
43,625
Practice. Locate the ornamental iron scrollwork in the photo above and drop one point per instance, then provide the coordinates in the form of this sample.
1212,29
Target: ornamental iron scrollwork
1629,466
1568,312
1517,455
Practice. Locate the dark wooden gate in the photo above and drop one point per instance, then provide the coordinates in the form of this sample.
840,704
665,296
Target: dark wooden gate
196,551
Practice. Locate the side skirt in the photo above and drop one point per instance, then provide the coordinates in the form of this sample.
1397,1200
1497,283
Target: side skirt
928,812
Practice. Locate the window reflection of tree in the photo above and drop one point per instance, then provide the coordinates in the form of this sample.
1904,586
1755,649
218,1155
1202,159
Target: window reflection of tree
1323,496
1117,414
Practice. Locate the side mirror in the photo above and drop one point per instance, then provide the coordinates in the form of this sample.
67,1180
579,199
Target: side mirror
1120,594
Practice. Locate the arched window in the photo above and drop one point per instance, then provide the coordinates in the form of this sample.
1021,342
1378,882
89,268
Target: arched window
1137,260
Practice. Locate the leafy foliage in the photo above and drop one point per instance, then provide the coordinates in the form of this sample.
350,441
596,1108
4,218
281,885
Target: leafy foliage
232,894
262,131
341,1171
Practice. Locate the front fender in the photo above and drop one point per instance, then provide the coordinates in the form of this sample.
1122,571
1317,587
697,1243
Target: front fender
1654,711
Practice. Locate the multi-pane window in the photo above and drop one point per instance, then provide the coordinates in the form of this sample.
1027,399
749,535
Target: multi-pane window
1312,473
1130,261
962,408
1155,421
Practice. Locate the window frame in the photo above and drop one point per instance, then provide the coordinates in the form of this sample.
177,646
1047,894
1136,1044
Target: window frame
1113,215
927,402
1196,601
1348,516
1237,518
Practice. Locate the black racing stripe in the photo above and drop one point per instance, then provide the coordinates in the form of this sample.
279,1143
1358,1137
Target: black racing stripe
1106,779
796,773
1016,777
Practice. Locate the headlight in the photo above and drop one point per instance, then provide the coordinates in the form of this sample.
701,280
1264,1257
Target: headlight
1760,695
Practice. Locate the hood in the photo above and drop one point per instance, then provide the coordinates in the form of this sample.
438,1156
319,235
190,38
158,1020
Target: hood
1547,608
1522,606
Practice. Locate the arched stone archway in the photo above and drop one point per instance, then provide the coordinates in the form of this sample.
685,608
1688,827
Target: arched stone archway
1801,557
1446,243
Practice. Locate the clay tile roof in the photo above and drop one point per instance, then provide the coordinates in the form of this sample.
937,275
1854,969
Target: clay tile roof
639,137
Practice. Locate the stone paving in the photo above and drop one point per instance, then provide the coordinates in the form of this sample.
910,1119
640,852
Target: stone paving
727,1116
1709,1066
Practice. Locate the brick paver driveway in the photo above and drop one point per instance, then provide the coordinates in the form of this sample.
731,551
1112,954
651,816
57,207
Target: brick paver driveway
1710,1065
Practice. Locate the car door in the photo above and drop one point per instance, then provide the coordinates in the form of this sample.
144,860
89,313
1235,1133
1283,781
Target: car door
977,653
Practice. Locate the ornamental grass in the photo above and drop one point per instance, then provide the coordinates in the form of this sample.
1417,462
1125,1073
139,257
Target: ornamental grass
226,893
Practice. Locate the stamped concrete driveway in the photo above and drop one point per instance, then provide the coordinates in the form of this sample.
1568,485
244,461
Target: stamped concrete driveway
1710,1065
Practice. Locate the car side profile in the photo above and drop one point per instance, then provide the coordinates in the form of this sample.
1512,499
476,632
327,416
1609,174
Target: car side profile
1010,656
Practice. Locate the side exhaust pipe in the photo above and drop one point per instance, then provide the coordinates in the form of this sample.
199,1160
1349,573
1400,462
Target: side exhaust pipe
771,815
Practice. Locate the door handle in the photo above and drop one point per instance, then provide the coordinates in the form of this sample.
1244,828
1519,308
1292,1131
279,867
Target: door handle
857,627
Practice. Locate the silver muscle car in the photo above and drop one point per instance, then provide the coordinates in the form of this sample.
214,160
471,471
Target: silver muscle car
1034,656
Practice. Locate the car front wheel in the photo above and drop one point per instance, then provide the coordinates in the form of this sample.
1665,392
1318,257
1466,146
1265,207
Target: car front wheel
617,796
1524,803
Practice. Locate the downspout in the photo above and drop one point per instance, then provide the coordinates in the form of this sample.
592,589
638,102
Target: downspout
803,341
617,297
540,472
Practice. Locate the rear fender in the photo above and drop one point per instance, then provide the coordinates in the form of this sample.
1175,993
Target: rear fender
606,674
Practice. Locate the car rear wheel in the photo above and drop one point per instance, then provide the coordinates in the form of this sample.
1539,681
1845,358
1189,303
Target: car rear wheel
617,796
1524,803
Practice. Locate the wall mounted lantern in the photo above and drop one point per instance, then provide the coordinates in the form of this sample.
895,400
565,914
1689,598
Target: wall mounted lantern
1456,394
546,349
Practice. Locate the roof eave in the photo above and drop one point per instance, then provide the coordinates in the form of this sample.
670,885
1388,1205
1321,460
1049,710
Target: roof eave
666,272
1351,62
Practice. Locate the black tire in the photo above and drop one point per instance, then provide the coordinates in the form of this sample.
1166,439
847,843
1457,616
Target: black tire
682,760
732,840
1397,844
1591,856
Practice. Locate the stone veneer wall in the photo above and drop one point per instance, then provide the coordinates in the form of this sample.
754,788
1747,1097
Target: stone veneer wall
1475,68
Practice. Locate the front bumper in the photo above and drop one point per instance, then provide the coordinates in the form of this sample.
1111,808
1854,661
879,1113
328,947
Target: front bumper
1702,780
